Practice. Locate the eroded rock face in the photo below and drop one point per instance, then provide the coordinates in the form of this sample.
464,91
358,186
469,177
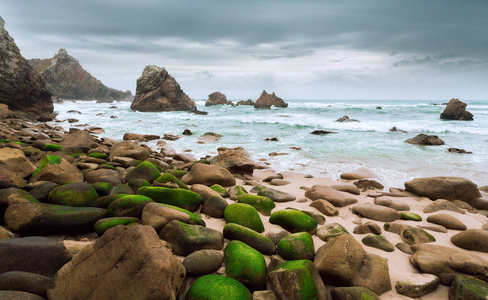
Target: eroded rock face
157,90
456,110
267,100
67,79
217,98
21,87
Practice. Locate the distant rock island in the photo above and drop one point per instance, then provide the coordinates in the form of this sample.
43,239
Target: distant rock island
217,98
266,100
67,79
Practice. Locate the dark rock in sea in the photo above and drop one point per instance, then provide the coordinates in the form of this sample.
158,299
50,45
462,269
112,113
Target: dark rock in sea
394,129
457,150
157,90
266,100
345,119
379,107
246,102
426,140
217,98
187,132
67,79
456,110
322,132
21,87
273,139
198,112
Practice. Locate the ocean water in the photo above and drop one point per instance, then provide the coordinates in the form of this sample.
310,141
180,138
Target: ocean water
368,143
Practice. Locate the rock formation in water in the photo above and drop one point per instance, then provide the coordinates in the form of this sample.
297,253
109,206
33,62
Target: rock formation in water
157,90
217,98
67,79
21,87
456,110
267,100
246,102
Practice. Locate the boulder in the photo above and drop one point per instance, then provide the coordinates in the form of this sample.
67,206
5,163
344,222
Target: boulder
203,262
157,90
348,188
417,285
330,231
121,265
346,119
293,220
472,239
217,287
265,101
376,212
336,198
325,207
55,169
233,231
145,170
456,110
447,221
208,175
426,140
392,203
296,246
378,242
217,98
104,175
245,215
25,282
449,188
276,195
157,215
368,227
21,87
245,102
214,207
209,137
77,194
467,287
8,178
128,149
442,204
246,264
105,224
178,197
236,160
128,206
16,161
353,292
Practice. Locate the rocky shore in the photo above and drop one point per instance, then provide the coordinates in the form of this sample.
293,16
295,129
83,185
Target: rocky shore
93,218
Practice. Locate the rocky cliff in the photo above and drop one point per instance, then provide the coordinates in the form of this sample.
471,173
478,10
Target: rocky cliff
157,90
21,87
266,100
67,79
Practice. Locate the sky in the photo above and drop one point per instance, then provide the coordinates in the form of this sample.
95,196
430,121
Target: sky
299,49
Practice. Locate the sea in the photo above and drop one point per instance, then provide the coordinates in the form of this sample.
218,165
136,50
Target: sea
368,143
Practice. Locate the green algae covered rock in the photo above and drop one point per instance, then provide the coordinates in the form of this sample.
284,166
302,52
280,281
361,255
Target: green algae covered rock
178,197
176,172
103,188
145,170
217,287
47,160
298,279
262,204
220,190
168,178
128,206
414,235
122,189
236,191
52,147
293,220
410,216
77,194
233,231
137,183
245,215
468,287
105,224
330,231
105,201
245,264
98,155
353,292
296,246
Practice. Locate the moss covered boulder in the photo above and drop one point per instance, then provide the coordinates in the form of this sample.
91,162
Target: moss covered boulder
185,238
105,224
330,231
169,180
77,194
137,183
44,219
12,195
217,287
103,188
296,246
410,216
262,204
220,190
233,231
98,155
55,169
245,264
414,235
297,279
293,220
105,201
468,287
236,191
128,206
122,189
178,197
276,195
245,215
157,215
145,170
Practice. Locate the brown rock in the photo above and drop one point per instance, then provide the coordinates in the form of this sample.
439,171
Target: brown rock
374,274
236,160
208,175
392,203
104,175
325,207
368,184
427,140
449,188
376,212
121,265
9,178
157,90
472,239
442,204
246,102
456,110
210,137
128,149
447,221
60,173
368,227
336,198
217,98
266,100
16,161
348,188
358,174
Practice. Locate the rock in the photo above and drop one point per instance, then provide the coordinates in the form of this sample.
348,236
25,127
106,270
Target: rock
203,262
353,292
276,195
236,160
25,282
245,264
11,196
76,194
410,216
442,204
18,295
436,228
277,236
67,79
105,224
404,247
22,88
322,132
414,235
325,207
472,239
265,101
145,170
293,220
456,110
346,119
368,227
376,212
447,221
426,140
210,137
417,285
279,182
457,150
374,274
236,191
336,198
262,204
128,149
170,181
297,279
6,234
214,207
55,169
468,287
8,178
128,206
348,188
296,246
16,161
178,197
392,203
157,90
394,129
208,175
449,188
128,136
45,219
104,175
446,262
379,242
217,287
34,254
233,231
330,231
264,295
245,215
368,184
157,215
121,265
217,98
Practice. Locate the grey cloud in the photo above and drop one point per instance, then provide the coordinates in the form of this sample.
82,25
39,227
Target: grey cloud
293,54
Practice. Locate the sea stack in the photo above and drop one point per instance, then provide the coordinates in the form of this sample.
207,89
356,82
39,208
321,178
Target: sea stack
456,110
217,98
67,79
157,91
266,100
21,87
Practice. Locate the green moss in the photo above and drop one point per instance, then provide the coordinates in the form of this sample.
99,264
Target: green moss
178,197
98,155
105,224
296,246
217,287
177,173
245,264
104,202
262,204
168,177
410,216
126,202
300,269
194,218
135,184
76,194
245,215
233,231
47,160
103,188
293,220
220,190
106,166
145,170
52,147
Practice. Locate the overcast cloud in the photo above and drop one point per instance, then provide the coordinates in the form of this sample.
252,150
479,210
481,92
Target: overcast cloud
377,49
